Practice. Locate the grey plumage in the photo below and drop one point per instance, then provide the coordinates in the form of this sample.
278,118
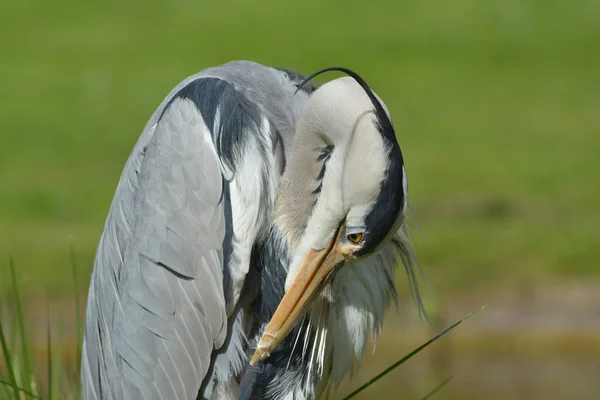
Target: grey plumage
168,287
198,244
160,257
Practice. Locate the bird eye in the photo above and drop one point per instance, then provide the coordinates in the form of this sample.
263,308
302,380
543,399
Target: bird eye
355,237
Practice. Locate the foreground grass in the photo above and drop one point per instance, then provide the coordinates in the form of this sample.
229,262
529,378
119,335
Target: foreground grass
21,375
20,379
495,104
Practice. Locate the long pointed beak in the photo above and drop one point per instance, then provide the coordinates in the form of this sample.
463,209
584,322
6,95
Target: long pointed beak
311,277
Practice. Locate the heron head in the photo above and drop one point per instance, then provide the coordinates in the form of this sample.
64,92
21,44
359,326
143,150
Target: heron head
343,196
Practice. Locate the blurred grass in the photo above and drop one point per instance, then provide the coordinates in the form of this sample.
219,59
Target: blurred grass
21,373
22,377
496,105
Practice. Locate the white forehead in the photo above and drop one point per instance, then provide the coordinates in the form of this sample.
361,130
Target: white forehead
361,155
366,162
338,102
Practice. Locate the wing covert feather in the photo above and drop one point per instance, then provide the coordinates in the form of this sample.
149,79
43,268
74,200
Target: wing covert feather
169,312
160,293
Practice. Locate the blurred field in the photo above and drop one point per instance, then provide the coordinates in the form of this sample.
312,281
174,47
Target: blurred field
496,104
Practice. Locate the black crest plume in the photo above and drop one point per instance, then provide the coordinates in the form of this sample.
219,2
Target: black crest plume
385,124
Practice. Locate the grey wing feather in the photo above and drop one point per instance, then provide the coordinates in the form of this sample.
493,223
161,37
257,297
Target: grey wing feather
156,305
156,309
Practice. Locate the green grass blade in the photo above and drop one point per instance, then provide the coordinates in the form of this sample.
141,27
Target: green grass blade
78,321
411,354
49,344
4,389
27,371
437,388
14,331
18,389
9,366
57,367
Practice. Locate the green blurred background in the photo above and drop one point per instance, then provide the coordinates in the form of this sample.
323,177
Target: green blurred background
496,106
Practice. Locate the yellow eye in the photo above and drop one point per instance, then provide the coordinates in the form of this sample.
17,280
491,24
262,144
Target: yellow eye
355,237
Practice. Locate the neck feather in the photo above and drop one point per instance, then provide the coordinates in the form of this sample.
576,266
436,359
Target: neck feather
330,341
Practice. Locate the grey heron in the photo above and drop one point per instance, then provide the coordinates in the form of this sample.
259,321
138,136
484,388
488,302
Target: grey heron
250,248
